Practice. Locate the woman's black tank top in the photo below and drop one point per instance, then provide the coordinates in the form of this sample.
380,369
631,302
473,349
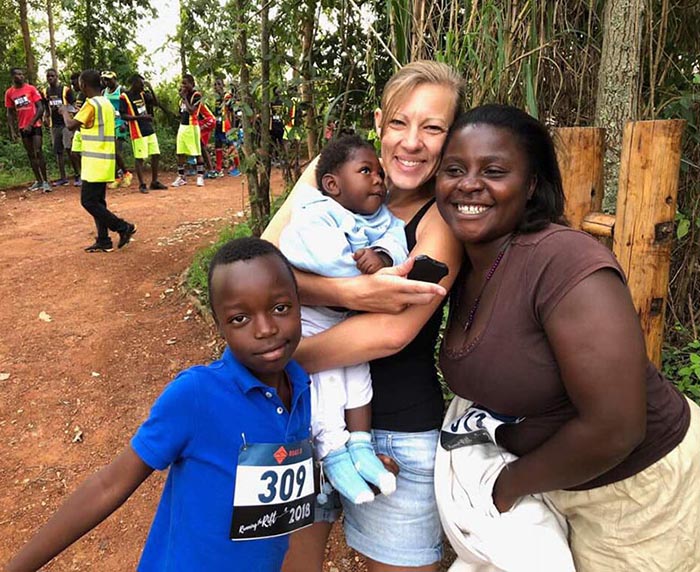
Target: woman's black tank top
407,394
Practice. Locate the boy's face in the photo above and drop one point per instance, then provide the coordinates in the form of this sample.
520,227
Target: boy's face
359,184
257,311
219,86
186,85
51,78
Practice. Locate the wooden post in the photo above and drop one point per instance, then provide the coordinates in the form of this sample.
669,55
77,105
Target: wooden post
644,225
580,154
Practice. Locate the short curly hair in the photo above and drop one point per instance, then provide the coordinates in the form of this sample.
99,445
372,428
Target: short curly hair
247,248
336,153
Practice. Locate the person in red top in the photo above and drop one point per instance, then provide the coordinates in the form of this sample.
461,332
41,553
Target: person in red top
25,109
207,123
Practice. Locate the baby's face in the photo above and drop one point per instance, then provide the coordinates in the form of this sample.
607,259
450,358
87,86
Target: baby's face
361,183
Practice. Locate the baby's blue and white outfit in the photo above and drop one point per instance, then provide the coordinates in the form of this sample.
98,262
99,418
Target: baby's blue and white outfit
321,238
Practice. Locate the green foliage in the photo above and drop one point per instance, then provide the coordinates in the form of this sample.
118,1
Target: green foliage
681,365
197,275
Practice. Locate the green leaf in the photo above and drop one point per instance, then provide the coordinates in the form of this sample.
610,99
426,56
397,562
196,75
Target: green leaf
694,359
683,228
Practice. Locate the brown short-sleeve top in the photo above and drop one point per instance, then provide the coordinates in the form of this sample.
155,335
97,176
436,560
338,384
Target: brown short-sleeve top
511,369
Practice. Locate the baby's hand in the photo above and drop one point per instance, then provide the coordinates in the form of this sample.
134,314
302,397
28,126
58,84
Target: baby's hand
368,261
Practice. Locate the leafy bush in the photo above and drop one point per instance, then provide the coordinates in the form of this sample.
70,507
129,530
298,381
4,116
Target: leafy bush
681,365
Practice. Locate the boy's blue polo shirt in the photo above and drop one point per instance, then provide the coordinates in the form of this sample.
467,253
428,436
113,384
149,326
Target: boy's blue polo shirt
196,428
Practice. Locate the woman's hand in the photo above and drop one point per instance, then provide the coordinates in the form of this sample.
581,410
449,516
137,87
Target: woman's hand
388,291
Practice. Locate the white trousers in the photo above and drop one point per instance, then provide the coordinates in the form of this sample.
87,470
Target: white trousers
334,390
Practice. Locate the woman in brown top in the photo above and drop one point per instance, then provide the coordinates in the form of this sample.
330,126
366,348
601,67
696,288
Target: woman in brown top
543,336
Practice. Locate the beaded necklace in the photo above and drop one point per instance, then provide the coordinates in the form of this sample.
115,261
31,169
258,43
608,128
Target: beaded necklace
475,306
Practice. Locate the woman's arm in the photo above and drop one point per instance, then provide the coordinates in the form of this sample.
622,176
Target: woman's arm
370,336
93,501
385,291
596,339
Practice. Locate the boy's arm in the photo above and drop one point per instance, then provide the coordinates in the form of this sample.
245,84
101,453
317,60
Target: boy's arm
40,108
94,500
12,123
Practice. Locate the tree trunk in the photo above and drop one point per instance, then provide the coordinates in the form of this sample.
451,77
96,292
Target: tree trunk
183,42
265,136
307,87
52,35
88,59
618,83
27,39
259,203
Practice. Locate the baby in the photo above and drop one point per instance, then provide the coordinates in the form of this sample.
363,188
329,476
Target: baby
344,230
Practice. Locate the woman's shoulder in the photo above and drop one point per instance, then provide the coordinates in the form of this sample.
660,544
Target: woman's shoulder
556,240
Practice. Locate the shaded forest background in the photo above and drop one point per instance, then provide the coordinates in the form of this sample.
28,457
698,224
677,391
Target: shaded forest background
328,60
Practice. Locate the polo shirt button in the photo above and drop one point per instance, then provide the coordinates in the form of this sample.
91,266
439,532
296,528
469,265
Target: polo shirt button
280,411
268,394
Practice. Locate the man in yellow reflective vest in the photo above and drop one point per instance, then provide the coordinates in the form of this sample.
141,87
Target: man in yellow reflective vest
96,123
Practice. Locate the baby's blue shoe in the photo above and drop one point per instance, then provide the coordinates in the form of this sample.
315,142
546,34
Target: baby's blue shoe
338,468
367,464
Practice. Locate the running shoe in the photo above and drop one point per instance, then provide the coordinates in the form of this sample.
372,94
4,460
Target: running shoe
126,179
234,172
158,186
211,175
200,180
61,183
179,182
125,236
35,186
115,183
100,247
77,182
143,189
46,187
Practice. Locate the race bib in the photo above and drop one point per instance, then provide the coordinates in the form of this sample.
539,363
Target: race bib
22,101
141,110
476,425
55,102
274,490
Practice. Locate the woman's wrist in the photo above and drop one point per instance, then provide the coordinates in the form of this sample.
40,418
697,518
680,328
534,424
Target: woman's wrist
503,497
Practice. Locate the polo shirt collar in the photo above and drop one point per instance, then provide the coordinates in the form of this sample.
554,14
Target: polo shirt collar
247,382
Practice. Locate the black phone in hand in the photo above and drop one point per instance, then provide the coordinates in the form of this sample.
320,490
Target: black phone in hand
427,269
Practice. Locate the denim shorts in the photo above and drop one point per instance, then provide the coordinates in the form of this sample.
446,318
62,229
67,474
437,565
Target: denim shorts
402,529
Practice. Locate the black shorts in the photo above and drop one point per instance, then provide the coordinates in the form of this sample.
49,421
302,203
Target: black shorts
35,132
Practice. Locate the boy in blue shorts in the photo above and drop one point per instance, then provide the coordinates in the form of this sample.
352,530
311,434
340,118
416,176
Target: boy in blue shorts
234,433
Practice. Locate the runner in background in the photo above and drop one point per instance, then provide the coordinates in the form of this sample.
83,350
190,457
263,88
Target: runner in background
77,143
24,110
144,141
188,137
112,91
223,123
56,95
277,128
207,123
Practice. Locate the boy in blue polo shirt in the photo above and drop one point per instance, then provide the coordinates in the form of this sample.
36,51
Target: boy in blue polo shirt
234,433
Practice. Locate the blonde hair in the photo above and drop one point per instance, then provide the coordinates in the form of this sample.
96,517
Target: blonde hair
420,72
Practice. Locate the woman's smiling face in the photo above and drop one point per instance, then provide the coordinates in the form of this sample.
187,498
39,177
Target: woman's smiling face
413,136
483,183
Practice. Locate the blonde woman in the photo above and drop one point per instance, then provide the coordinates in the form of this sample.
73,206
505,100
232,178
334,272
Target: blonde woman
397,333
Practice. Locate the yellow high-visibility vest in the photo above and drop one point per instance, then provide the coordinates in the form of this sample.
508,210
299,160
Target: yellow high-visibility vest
98,154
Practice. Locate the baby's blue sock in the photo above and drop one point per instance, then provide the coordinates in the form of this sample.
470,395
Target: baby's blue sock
367,464
340,471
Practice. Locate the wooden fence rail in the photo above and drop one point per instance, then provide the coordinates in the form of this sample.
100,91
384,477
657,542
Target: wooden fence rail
642,229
